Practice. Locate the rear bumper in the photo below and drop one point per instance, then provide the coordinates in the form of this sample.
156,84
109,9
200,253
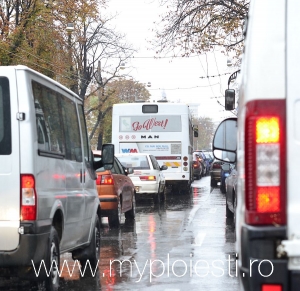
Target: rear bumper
215,175
146,188
32,248
258,261
108,202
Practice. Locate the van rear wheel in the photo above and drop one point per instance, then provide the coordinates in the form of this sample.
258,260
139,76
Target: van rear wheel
92,250
53,262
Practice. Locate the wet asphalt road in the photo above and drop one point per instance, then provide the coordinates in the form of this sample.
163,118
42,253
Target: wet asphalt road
185,243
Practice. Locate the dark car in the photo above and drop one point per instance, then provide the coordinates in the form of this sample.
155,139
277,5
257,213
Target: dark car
197,167
209,156
204,161
225,170
215,172
231,198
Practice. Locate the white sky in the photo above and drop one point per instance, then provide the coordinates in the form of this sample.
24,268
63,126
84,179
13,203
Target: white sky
136,19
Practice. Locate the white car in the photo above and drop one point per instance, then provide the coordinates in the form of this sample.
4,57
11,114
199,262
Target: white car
147,176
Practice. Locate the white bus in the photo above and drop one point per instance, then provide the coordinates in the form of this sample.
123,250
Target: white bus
162,129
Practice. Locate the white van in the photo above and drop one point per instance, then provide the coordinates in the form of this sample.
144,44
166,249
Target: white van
268,148
48,198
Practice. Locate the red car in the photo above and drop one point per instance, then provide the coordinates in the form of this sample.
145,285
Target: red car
116,192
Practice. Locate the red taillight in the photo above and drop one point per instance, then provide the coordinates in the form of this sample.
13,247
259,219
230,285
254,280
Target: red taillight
105,180
28,197
273,287
147,178
216,166
265,162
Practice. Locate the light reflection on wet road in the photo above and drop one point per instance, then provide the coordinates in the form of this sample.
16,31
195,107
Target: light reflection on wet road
184,243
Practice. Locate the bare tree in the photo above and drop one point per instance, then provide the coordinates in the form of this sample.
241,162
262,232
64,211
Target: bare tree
99,115
193,27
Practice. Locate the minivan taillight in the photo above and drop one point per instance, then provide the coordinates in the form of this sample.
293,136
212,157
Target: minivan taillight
265,162
28,197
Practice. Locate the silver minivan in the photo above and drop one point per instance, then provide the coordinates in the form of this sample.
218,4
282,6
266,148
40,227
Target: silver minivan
48,198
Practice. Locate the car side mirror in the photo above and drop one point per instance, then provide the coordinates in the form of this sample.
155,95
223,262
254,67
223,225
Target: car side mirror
108,156
128,171
225,141
163,167
229,99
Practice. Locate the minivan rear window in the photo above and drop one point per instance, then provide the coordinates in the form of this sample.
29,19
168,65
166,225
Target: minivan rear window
5,120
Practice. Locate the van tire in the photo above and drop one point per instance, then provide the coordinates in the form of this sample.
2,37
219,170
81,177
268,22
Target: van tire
92,250
130,214
53,254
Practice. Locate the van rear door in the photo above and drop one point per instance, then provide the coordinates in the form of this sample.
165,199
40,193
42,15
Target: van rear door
9,161
293,134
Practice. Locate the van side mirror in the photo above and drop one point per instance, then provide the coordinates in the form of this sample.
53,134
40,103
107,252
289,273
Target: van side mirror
108,156
229,99
225,141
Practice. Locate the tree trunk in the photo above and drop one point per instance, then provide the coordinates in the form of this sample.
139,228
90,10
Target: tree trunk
99,144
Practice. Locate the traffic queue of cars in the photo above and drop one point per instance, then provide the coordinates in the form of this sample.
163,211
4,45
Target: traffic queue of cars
130,175
116,191
202,160
51,182
147,175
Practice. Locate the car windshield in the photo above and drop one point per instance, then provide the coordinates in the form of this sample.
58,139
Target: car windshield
135,162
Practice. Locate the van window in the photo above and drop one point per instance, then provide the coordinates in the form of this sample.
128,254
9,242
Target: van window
48,121
87,152
71,129
5,121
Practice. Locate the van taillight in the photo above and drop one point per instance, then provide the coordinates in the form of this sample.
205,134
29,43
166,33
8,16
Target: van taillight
28,197
105,180
265,162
